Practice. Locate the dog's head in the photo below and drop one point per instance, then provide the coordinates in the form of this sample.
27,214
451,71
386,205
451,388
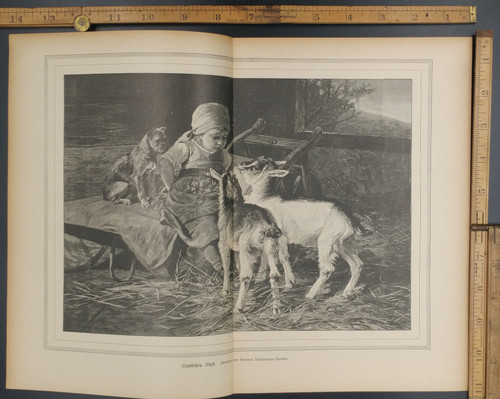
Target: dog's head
154,142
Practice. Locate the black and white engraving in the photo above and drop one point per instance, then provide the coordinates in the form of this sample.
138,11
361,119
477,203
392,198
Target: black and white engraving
236,204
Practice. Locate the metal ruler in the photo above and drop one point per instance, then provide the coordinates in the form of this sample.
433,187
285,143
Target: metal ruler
82,17
478,282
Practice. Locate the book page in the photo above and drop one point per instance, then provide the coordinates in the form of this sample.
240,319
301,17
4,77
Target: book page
395,115
78,104
114,270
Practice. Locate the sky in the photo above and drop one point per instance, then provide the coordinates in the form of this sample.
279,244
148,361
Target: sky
390,97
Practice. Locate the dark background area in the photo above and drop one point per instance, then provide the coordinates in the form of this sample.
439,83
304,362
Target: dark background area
141,101
488,13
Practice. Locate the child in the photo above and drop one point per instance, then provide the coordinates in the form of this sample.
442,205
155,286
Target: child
191,205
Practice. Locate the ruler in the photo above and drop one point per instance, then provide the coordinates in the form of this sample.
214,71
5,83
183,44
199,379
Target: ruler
478,281
493,311
82,17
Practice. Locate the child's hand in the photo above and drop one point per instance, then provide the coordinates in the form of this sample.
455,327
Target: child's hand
146,202
163,193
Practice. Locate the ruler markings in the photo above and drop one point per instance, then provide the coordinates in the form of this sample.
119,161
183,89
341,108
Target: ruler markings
481,118
243,14
493,312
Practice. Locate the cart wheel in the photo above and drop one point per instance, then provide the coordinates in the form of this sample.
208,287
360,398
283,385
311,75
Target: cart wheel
292,186
112,268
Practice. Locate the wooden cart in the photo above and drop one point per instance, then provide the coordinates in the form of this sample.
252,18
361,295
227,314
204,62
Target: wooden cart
301,181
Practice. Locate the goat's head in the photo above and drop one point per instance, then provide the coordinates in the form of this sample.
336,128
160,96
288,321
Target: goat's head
257,173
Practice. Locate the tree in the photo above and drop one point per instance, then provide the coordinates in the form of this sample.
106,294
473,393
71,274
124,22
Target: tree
331,101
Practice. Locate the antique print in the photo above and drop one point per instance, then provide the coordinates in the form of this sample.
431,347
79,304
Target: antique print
227,211
200,205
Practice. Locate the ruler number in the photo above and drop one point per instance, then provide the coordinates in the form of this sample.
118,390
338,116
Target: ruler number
149,17
114,17
16,19
349,17
485,93
316,17
184,17
49,18
414,17
381,17
217,17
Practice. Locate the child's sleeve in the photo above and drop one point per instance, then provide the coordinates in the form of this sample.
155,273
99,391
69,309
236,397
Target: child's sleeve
169,164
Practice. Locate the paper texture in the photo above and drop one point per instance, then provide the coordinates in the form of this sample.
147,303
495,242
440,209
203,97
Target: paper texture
76,101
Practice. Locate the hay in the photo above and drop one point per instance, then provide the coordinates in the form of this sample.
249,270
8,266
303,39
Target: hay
192,304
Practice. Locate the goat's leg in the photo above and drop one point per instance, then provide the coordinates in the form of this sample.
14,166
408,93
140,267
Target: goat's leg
271,252
225,254
261,274
355,264
245,277
284,257
326,260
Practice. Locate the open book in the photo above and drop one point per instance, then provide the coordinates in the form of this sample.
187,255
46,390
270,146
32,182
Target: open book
351,157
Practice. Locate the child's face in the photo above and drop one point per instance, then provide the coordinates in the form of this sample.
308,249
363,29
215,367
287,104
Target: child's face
214,140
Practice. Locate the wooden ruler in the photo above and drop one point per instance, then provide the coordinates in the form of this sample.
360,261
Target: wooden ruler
493,312
82,17
478,295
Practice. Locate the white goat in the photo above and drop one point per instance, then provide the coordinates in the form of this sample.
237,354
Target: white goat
249,230
305,222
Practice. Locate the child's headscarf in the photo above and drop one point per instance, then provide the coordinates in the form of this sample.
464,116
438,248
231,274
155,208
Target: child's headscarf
206,117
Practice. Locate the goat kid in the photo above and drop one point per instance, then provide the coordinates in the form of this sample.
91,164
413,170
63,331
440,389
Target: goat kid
249,230
305,222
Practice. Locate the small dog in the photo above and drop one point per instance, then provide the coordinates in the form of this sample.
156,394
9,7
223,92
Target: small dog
125,182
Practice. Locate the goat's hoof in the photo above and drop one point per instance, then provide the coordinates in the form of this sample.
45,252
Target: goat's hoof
348,293
237,311
260,277
310,296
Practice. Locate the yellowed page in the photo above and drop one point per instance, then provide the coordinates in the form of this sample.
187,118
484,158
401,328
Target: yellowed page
42,355
420,86
431,353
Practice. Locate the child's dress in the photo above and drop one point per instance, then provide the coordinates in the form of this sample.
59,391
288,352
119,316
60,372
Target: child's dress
192,198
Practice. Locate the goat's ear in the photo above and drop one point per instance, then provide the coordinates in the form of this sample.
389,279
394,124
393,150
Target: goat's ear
215,175
277,173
